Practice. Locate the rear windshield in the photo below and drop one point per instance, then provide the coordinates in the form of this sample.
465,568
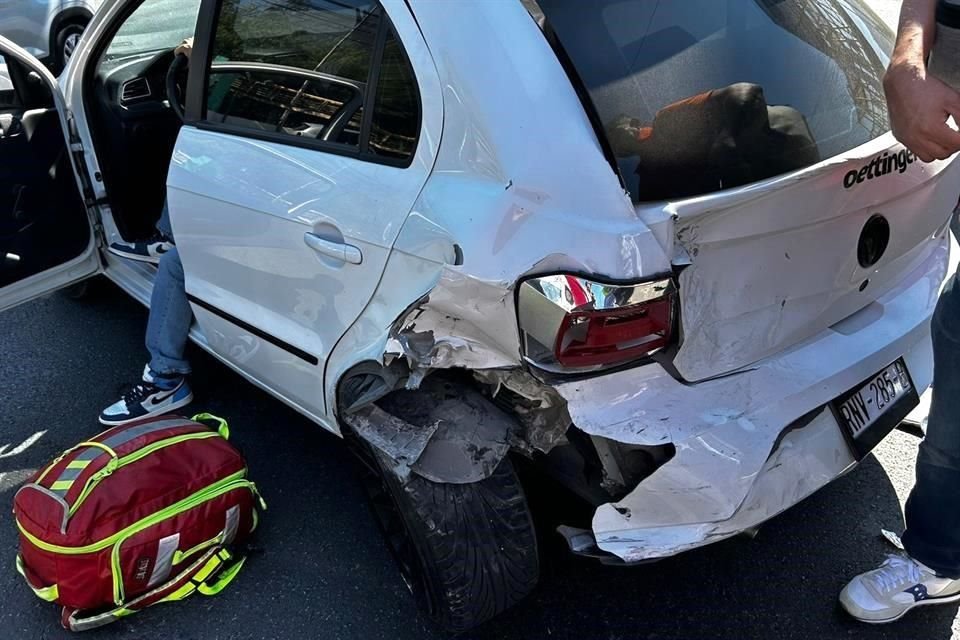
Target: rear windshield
696,96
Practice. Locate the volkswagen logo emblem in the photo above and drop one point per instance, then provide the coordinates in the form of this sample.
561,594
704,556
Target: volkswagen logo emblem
874,240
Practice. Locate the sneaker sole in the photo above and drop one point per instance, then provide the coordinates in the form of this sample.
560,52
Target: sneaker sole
168,409
134,257
922,603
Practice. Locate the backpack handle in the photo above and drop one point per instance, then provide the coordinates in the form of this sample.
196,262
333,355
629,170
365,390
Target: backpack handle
222,427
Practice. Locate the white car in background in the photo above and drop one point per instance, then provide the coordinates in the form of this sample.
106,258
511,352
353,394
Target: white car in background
666,252
48,29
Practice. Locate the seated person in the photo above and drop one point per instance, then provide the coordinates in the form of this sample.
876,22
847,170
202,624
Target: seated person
164,385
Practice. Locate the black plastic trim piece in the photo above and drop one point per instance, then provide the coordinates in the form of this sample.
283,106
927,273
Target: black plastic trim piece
373,79
200,61
263,335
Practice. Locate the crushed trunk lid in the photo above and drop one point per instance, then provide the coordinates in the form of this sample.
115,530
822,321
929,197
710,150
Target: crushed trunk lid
769,265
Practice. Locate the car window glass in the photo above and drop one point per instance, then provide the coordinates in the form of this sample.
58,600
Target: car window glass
302,68
156,25
396,110
296,67
704,95
329,36
7,94
278,102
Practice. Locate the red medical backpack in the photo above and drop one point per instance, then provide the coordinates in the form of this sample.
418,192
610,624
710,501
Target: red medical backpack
147,512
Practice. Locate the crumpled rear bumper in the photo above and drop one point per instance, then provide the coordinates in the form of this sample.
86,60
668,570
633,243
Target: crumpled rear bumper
750,445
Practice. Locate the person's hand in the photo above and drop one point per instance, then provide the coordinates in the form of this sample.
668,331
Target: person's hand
919,106
185,48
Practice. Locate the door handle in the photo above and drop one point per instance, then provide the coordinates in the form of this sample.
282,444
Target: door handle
339,250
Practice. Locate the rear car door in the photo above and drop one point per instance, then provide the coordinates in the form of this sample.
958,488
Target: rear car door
46,232
306,144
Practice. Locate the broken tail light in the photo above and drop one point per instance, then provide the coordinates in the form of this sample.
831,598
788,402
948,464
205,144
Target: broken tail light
571,323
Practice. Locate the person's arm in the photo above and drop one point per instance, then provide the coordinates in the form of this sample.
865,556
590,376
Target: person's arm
920,104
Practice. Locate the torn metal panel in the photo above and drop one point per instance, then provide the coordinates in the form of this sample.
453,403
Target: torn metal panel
774,263
472,438
805,461
455,327
538,407
738,460
445,431
402,441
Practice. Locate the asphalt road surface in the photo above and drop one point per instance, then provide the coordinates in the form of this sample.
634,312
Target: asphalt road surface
324,572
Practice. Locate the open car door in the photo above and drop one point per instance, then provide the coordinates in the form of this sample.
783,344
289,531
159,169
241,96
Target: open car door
47,238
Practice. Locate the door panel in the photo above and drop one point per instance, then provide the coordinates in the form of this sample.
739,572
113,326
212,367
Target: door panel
35,193
260,222
46,240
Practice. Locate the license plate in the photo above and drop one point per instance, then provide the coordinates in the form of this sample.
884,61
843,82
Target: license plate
872,409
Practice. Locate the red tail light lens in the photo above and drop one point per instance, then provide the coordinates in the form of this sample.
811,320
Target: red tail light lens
594,338
570,323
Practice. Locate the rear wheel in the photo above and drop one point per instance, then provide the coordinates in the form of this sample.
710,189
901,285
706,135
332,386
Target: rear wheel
467,552
67,38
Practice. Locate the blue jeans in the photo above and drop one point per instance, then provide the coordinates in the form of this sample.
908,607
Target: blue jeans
170,314
933,510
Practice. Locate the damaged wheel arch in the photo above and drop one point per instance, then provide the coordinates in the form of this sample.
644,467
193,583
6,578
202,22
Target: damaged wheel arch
444,431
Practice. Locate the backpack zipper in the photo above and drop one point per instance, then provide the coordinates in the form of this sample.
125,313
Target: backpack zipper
137,455
175,508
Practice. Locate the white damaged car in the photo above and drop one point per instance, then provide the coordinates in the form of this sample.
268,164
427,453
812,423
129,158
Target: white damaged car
668,252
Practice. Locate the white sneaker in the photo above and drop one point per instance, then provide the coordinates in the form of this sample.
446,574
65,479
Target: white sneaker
897,586
149,251
148,398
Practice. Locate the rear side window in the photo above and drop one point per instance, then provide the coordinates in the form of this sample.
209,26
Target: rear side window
396,112
703,95
311,70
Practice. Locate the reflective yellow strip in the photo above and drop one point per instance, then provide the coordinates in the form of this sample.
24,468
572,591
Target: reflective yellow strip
181,593
212,565
123,613
78,464
62,485
50,467
222,581
187,589
68,451
48,594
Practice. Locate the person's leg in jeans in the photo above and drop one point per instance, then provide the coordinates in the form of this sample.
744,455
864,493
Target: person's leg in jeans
933,510
930,573
164,386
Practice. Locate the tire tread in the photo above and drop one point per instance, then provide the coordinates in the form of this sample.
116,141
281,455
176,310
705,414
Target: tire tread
479,543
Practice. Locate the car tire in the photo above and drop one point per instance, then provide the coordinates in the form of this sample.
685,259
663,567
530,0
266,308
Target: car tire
467,552
65,42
